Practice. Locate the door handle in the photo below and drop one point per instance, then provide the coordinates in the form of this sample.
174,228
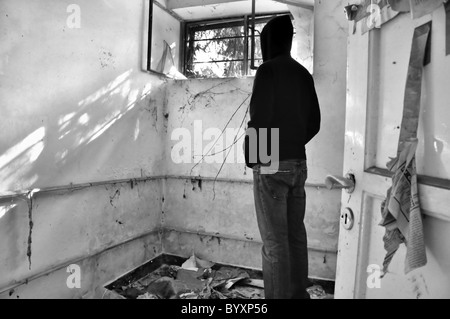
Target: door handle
338,182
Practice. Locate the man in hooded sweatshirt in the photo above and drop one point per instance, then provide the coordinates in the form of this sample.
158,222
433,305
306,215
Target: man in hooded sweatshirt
284,104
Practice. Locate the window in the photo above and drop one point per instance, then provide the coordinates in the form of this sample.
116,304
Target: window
222,48
162,52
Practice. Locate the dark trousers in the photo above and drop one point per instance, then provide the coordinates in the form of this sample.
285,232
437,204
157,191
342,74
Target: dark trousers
280,210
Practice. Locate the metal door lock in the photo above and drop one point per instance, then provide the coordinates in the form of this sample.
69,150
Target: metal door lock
347,218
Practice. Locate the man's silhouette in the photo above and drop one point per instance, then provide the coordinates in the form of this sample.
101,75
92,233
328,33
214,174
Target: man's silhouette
284,98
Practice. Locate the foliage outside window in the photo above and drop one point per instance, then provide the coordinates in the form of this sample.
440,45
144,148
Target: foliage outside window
218,49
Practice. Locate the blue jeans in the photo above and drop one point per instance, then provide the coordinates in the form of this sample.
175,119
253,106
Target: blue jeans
280,209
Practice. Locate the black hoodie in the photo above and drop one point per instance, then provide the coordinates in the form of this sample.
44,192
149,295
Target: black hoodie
284,95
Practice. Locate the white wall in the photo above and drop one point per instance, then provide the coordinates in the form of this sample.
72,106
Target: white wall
76,108
303,45
330,74
75,105
227,218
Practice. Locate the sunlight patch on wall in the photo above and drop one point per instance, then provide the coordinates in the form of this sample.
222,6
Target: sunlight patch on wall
101,128
136,130
132,98
103,91
28,144
6,209
66,118
147,89
84,119
16,162
70,123
61,155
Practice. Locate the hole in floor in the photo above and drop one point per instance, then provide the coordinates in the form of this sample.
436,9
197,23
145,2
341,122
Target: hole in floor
174,277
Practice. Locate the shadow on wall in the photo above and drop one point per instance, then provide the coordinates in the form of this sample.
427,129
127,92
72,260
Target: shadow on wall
85,145
59,146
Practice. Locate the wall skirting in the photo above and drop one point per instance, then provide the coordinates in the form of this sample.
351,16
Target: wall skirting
96,269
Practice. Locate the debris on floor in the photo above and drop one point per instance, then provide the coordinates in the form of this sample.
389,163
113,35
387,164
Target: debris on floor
147,296
194,263
317,292
195,278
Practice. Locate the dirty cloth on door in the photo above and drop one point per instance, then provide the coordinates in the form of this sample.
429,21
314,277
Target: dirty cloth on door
401,211
401,215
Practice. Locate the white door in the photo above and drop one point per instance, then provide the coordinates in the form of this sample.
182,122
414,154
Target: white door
377,70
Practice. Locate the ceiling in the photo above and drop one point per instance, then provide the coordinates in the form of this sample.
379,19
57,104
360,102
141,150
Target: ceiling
189,10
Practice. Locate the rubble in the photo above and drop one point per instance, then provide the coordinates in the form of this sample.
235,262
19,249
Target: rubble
200,279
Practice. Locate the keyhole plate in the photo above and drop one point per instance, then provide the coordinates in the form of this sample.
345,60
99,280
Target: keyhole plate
347,218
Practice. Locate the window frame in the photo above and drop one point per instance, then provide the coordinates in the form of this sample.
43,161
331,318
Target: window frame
147,50
246,21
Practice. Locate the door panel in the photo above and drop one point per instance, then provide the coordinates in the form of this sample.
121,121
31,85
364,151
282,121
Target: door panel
377,71
390,62
433,154
388,91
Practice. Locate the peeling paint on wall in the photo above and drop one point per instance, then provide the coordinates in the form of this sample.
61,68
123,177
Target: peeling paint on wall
111,198
30,223
196,184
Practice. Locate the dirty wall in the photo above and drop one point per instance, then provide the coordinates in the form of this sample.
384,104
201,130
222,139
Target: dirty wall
208,207
81,123
87,171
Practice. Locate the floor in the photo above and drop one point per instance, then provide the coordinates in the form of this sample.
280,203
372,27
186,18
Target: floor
174,277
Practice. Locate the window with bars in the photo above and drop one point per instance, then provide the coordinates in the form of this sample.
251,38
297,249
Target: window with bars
219,49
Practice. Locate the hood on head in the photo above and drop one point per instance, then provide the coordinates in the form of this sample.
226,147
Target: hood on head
276,37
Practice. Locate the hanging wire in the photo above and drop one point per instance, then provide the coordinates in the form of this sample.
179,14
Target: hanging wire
228,153
221,134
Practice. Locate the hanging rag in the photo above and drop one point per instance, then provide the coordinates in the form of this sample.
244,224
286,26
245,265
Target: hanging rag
401,215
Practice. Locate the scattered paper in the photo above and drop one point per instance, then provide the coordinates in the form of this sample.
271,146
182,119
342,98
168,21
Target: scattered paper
190,264
230,282
194,263
175,282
